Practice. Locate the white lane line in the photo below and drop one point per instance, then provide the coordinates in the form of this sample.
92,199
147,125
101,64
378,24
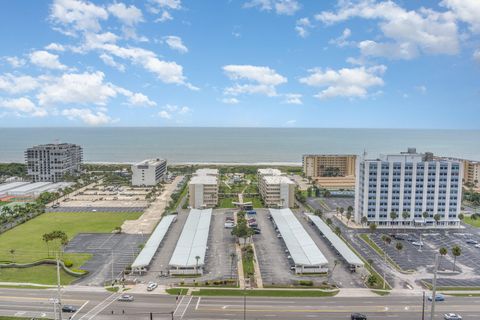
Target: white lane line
178,305
103,308
185,310
78,310
198,303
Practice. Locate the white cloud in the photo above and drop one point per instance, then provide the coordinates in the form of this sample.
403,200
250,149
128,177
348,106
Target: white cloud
465,10
230,100
169,4
55,47
15,62
129,15
421,89
292,98
302,25
165,16
109,61
47,60
476,55
346,82
164,114
286,7
78,14
87,116
139,99
290,122
342,40
408,33
22,106
17,84
176,43
264,80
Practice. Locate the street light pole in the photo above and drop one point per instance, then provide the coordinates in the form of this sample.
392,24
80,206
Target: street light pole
434,287
423,306
244,300
58,290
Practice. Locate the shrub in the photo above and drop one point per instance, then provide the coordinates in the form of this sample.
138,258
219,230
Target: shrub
68,263
306,283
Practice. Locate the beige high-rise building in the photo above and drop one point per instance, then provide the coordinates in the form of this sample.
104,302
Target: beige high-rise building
276,190
471,173
203,189
329,165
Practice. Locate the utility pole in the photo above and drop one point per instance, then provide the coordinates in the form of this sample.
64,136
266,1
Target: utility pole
423,306
58,290
112,269
434,287
244,300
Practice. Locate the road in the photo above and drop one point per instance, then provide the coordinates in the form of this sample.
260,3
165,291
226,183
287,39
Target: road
100,305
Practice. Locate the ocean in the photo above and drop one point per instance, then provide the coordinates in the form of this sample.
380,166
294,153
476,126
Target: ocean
236,145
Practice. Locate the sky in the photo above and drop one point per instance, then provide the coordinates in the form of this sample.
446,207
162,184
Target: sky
240,63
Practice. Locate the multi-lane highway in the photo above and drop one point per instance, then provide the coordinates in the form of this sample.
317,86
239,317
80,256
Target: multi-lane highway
96,305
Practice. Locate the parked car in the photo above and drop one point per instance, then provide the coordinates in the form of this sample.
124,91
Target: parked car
229,225
438,297
257,230
418,243
452,316
358,316
69,308
477,245
152,286
471,241
126,298
56,205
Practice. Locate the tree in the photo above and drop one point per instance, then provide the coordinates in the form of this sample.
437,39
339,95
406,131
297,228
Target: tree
393,216
399,246
327,194
425,215
372,280
341,210
364,220
337,231
12,252
436,217
318,212
456,251
443,251
349,216
461,216
405,215
329,221
372,227
387,240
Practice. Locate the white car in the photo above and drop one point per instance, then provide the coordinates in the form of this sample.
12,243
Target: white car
452,316
418,243
477,245
152,286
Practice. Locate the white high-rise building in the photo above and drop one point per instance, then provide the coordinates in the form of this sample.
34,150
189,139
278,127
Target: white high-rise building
149,172
51,162
412,183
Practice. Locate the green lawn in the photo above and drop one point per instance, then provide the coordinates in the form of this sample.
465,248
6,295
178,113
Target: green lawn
472,222
177,291
226,203
264,293
40,274
256,202
26,239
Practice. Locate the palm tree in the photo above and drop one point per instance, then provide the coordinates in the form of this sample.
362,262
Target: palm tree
443,251
364,220
372,227
436,217
405,216
425,216
196,266
233,255
399,246
337,231
456,251
329,221
393,216
341,210
349,216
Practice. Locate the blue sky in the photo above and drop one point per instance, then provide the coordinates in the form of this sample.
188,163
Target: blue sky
246,63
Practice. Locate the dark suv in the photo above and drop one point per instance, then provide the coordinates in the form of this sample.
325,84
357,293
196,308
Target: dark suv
358,316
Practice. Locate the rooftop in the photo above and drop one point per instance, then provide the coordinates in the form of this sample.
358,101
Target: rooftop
193,240
269,172
206,171
150,162
277,180
301,246
203,180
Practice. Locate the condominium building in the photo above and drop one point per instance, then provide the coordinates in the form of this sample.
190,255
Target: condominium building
412,183
51,162
328,165
203,189
471,173
276,190
149,172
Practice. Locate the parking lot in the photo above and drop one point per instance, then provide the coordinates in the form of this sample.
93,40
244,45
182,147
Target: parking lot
330,204
94,208
106,248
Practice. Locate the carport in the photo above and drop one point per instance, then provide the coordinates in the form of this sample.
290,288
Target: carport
189,254
305,254
145,257
348,255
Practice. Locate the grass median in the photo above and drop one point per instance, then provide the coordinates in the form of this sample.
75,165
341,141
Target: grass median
25,241
265,293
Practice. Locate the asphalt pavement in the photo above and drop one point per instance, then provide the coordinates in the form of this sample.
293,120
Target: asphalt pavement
104,305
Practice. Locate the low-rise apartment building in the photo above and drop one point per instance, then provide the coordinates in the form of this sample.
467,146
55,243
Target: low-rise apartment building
203,189
277,191
149,172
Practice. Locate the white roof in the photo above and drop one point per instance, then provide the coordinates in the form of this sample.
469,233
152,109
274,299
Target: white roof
336,241
193,239
28,188
206,172
8,186
150,162
269,172
277,180
151,247
203,180
301,246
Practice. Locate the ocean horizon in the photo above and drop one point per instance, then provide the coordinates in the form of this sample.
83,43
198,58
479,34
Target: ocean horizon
204,145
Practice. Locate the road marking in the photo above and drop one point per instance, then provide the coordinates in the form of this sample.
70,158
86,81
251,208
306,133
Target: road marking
198,303
78,310
185,310
99,307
